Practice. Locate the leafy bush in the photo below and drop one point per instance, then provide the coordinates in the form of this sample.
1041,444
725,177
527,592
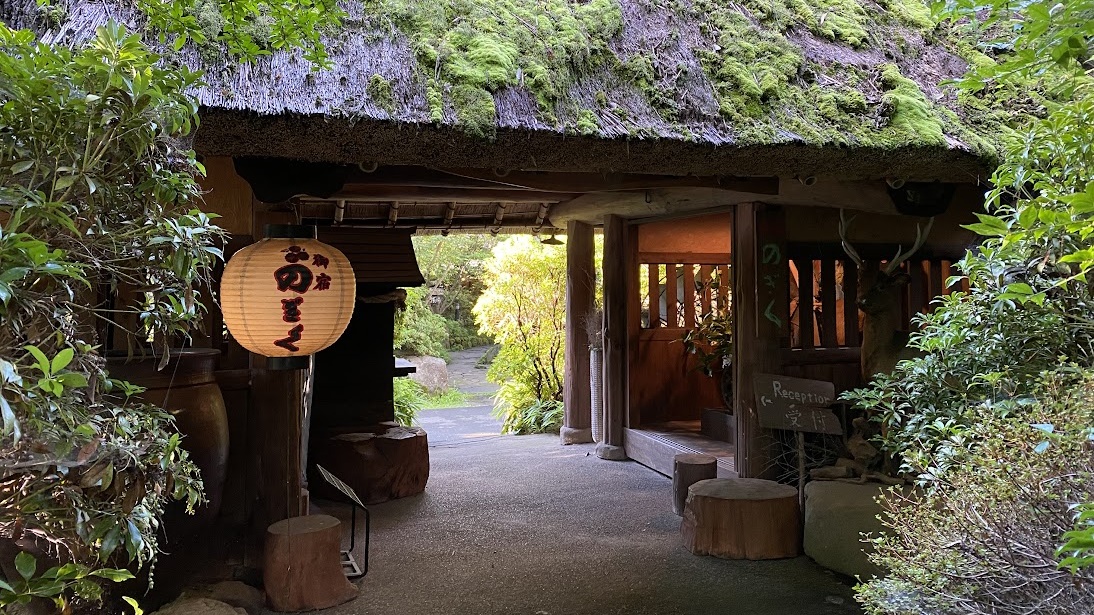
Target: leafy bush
418,331
461,337
409,400
985,543
95,193
538,416
995,419
523,307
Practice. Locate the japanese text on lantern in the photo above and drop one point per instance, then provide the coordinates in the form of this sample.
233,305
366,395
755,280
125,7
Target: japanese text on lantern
297,277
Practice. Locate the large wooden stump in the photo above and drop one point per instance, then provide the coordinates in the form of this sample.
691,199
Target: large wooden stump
742,518
380,462
302,570
686,471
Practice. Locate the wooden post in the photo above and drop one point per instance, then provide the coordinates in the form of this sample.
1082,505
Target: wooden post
615,337
688,469
756,335
580,295
277,403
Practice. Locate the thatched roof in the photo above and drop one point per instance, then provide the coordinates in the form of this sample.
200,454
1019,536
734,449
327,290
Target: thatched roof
756,87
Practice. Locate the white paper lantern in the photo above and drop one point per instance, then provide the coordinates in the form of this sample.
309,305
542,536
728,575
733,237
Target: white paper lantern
287,297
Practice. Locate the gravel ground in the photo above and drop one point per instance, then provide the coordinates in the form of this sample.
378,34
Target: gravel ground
521,525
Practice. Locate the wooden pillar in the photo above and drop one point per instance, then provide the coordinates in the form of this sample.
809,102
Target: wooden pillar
277,412
615,336
756,338
580,302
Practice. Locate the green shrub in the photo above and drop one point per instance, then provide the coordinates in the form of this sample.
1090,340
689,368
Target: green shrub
461,337
986,541
522,306
538,416
409,400
418,331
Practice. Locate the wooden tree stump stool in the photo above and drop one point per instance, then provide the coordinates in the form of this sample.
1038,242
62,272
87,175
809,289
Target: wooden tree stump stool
380,462
686,471
742,518
303,565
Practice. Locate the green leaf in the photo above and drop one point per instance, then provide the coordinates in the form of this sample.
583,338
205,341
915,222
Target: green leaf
113,574
61,361
40,357
25,564
21,166
137,610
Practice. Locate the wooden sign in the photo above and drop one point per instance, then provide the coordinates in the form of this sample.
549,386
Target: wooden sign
795,404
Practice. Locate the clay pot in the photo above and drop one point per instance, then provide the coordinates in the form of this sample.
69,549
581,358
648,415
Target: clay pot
187,388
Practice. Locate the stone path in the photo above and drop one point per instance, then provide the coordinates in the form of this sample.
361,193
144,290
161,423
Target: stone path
457,426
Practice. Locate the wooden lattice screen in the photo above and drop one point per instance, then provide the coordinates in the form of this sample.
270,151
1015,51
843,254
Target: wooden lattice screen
678,289
834,321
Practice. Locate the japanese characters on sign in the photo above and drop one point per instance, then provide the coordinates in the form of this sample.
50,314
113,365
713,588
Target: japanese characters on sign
795,404
297,276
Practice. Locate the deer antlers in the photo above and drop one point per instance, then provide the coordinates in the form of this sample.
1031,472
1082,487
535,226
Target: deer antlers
847,247
897,260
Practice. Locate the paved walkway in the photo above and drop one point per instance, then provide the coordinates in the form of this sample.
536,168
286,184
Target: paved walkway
519,525
458,426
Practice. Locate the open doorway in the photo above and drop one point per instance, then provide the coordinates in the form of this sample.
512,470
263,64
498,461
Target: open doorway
679,402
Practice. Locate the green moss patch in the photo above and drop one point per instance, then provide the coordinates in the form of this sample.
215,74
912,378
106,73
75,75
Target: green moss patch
487,45
912,119
379,89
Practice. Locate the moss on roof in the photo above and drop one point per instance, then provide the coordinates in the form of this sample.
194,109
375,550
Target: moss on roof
842,73
821,72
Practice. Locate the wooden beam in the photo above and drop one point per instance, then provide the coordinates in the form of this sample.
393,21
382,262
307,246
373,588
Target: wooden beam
580,303
419,194
671,201
547,181
615,337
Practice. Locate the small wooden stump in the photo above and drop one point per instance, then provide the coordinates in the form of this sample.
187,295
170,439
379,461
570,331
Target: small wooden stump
380,462
686,471
742,518
303,565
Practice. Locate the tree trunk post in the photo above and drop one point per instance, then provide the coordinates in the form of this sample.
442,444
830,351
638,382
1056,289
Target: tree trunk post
755,337
615,337
580,296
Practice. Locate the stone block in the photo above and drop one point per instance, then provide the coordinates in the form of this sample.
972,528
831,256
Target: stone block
836,514
205,606
431,374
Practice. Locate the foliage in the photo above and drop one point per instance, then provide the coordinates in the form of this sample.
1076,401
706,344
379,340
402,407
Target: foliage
462,337
540,416
454,264
711,341
450,398
985,543
246,28
523,308
56,582
409,400
418,330
1000,495
96,196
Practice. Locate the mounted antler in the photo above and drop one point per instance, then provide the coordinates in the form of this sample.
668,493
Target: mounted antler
920,239
884,337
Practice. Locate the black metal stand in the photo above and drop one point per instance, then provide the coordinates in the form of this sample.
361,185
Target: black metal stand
349,564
